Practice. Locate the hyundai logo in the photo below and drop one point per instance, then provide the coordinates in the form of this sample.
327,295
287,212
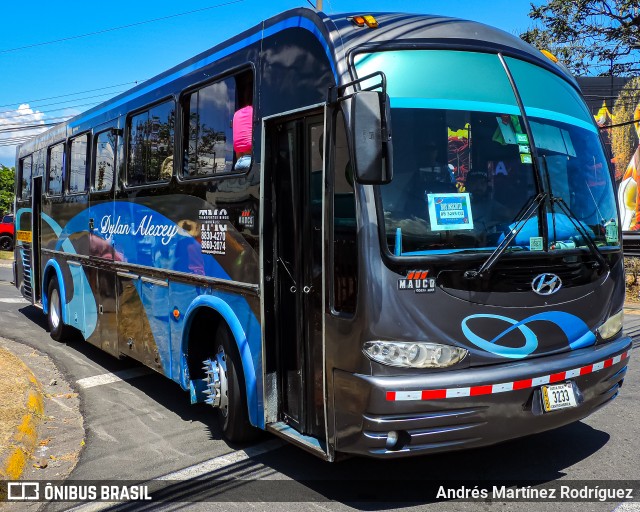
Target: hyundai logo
546,284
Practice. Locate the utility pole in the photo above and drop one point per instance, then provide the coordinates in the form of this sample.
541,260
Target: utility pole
318,5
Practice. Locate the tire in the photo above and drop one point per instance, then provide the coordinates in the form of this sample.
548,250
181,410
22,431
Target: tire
6,243
57,329
234,419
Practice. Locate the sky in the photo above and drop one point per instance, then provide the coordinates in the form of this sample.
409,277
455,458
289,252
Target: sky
44,83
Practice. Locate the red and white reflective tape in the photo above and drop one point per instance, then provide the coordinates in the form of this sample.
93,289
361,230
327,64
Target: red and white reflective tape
490,389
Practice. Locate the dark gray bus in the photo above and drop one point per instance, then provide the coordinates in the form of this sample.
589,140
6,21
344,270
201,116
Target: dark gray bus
418,251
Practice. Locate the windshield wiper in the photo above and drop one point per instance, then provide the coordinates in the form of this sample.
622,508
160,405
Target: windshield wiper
502,247
593,248
601,261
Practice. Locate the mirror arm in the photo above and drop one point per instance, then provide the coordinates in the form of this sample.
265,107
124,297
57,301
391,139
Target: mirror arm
335,91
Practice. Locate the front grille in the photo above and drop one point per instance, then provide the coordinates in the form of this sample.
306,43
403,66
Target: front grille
519,278
517,275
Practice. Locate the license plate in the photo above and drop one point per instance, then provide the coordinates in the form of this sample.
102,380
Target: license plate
558,396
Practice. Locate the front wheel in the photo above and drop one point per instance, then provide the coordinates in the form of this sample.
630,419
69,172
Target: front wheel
227,381
57,329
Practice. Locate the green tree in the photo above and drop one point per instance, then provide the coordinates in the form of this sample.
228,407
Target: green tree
7,183
590,37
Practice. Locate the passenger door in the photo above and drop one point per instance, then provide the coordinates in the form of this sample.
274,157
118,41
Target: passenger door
36,220
295,166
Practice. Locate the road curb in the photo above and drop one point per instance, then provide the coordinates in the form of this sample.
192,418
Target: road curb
25,437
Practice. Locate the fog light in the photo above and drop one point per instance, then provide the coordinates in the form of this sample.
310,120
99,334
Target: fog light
392,439
612,326
413,355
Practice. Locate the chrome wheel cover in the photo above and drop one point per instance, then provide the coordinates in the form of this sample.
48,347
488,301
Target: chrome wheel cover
217,384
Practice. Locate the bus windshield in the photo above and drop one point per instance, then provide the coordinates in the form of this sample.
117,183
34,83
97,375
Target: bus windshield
464,165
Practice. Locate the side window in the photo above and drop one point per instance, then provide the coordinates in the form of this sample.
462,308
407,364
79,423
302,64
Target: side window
218,127
78,165
56,170
39,160
345,246
209,148
25,177
150,151
105,160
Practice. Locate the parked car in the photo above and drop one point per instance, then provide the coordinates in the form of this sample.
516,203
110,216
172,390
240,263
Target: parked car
7,233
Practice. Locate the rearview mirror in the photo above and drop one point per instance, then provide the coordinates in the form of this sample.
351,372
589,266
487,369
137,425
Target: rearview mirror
371,136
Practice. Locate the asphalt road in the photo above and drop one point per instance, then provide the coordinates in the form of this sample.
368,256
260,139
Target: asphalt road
142,428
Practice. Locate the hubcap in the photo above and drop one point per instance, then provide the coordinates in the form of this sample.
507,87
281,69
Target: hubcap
54,309
216,379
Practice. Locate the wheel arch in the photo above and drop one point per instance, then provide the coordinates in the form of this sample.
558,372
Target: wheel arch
206,306
52,268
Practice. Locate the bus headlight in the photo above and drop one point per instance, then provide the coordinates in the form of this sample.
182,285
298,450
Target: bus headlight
413,355
612,326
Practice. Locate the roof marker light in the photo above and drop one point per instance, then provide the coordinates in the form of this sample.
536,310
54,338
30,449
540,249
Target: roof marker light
370,21
549,56
361,21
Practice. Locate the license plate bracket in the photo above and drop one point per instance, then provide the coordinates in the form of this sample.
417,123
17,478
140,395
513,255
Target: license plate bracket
560,396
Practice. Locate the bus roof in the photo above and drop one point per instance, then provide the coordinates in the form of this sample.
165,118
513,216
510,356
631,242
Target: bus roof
339,36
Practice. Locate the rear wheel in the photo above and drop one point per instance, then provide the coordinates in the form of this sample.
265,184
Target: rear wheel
57,329
226,389
6,243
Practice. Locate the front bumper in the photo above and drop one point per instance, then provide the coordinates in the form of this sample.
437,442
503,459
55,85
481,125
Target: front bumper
472,407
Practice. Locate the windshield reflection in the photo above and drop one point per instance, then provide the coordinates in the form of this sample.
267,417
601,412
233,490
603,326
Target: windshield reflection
577,171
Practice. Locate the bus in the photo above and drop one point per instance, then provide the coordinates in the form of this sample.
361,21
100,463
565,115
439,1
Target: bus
416,248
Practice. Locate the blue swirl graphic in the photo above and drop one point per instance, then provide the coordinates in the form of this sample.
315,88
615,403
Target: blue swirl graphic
577,332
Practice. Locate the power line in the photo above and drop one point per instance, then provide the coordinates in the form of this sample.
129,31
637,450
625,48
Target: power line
15,142
93,103
57,103
72,93
8,50
21,128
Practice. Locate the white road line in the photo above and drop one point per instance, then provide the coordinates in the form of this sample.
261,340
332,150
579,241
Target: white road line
110,378
13,301
193,471
221,461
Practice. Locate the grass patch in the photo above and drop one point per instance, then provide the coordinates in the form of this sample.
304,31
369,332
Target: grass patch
14,385
6,255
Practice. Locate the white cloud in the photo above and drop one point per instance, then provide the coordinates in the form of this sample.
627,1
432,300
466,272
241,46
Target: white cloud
24,115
